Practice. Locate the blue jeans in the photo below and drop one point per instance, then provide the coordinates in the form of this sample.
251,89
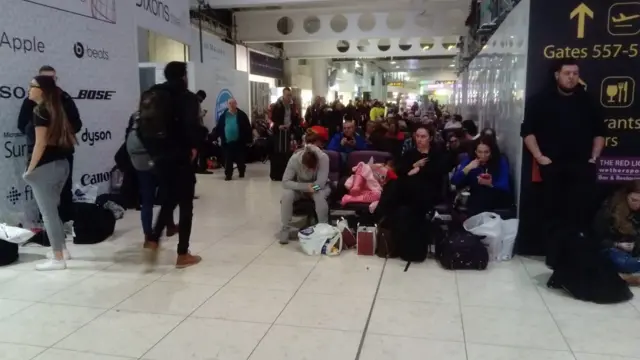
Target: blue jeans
624,262
148,184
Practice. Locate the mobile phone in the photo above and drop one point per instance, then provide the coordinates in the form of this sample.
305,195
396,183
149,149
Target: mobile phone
316,188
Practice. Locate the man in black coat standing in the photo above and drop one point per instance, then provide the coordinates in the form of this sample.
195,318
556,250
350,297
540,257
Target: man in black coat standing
234,130
73,115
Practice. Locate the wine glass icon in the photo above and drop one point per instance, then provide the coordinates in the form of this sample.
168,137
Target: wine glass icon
612,91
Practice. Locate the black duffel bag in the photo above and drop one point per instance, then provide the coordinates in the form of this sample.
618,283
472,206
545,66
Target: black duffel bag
8,253
92,223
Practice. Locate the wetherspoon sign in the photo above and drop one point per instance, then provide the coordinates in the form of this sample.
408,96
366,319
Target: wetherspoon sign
604,36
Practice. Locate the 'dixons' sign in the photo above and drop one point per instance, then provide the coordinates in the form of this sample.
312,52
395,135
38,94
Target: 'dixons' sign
604,37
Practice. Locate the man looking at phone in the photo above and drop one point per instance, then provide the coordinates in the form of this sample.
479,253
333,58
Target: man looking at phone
347,141
564,132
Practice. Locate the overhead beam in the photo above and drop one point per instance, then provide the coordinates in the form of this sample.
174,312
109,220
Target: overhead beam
335,24
231,4
329,49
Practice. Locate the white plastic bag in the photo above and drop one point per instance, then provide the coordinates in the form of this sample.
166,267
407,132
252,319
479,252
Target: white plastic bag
14,234
85,194
509,233
321,239
489,225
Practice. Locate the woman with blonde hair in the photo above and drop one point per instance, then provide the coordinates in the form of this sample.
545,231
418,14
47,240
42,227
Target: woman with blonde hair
48,167
617,224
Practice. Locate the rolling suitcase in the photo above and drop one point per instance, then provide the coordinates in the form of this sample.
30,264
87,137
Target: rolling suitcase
280,156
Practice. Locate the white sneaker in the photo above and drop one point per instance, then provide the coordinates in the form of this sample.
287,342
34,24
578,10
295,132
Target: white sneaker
51,265
65,255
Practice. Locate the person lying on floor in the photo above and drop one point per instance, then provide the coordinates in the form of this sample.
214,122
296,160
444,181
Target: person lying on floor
306,176
486,175
617,224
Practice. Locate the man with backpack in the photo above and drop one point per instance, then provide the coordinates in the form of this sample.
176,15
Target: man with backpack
164,140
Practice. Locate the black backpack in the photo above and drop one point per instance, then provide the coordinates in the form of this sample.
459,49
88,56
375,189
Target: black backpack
92,223
155,114
462,250
8,253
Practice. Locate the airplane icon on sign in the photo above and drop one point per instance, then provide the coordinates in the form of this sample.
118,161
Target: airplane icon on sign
624,19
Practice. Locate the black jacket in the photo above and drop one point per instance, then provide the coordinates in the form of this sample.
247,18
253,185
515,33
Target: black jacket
244,128
278,111
69,106
184,132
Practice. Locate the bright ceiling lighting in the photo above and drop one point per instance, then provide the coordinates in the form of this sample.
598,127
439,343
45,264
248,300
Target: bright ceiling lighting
397,66
407,78
344,71
393,62
450,47
452,65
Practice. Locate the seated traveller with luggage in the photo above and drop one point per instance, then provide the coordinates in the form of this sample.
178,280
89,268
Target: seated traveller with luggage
617,225
486,175
347,141
421,174
306,176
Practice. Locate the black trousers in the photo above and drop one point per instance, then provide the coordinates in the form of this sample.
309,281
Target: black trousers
65,208
569,196
234,152
178,185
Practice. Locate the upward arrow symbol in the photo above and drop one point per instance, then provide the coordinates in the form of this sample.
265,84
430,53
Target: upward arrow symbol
581,11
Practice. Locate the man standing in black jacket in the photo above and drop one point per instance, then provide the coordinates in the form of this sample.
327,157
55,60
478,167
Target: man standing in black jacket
73,115
234,130
175,154
564,132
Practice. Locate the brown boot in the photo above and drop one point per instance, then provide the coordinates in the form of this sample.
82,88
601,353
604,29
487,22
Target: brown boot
187,260
150,244
151,253
172,230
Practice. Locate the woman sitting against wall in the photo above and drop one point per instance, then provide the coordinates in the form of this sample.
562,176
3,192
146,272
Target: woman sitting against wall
486,174
617,225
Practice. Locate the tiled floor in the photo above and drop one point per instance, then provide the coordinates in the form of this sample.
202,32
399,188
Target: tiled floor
254,299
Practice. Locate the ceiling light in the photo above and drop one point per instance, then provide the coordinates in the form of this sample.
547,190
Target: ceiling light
344,71
452,65
393,62
450,47
407,78
397,66
426,47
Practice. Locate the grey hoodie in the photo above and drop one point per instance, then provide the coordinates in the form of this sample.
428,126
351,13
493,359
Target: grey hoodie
298,177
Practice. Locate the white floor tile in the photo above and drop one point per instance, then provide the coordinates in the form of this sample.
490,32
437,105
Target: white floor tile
419,285
496,326
19,352
417,319
492,352
203,339
98,291
560,302
359,284
384,347
231,253
295,343
121,333
287,278
474,291
36,286
10,307
290,255
169,298
326,311
207,273
57,354
245,304
581,356
45,324
597,334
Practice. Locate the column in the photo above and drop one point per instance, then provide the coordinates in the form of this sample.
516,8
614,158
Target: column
320,81
290,70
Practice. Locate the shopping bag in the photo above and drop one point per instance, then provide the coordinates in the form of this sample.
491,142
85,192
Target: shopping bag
15,234
488,225
509,233
320,239
85,194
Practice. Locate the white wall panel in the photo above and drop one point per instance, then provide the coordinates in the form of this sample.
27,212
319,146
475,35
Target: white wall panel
168,17
497,82
329,49
315,24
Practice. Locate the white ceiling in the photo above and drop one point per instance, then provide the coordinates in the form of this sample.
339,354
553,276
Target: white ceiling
416,65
